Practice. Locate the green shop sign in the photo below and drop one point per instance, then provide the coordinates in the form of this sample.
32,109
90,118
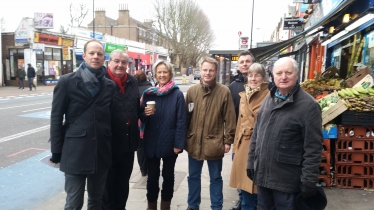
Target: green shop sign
111,47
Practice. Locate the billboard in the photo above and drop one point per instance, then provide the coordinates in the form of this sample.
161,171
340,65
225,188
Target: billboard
43,20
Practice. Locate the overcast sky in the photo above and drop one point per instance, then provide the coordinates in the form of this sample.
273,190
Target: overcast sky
227,17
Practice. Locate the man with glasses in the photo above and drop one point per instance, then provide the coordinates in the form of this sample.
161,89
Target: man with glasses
245,61
126,104
211,130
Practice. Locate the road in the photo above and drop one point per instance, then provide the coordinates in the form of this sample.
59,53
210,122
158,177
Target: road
24,134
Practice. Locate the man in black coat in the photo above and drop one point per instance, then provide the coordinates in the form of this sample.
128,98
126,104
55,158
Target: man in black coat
246,59
84,148
126,107
30,76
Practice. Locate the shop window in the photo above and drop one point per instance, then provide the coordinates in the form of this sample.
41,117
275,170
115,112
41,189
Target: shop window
48,53
56,54
39,55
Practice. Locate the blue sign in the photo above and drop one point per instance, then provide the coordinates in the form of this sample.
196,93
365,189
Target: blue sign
22,40
97,36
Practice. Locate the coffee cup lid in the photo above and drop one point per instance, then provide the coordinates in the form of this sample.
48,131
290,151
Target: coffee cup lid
151,102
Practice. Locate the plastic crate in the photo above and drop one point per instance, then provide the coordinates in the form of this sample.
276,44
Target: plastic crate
326,168
355,132
354,182
326,179
354,158
344,145
326,145
354,170
357,118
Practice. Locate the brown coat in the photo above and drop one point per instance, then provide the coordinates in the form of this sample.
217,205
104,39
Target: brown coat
247,117
210,121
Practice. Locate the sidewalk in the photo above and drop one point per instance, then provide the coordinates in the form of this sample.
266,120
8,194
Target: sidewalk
14,91
137,197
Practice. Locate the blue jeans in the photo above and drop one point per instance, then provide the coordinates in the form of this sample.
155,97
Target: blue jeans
249,201
269,199
194,183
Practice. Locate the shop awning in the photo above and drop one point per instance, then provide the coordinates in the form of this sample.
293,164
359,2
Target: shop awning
263,53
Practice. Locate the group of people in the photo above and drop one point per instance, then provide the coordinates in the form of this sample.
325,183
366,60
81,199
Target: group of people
21,74
100,117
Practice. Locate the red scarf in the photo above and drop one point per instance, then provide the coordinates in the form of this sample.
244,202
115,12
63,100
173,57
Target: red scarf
121,82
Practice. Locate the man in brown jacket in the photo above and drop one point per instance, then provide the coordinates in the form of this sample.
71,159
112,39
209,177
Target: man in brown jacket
211,129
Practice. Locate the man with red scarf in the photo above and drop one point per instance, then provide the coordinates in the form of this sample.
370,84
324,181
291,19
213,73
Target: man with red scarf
126,104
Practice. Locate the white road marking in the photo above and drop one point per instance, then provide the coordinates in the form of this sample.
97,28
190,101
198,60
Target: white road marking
18,135
11,96
21,105
37,109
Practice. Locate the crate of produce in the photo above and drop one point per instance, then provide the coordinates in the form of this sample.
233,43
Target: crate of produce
355,132
326,143
326,157
344,145
354,182
358,118
324,181
354,170
324,169
354,158
332,106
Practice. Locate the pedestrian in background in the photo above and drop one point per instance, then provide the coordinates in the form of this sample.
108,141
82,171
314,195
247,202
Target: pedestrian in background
286,144
245,61
211,130
250,102
126,108
142,160
30,76
164,133
84,97
21,78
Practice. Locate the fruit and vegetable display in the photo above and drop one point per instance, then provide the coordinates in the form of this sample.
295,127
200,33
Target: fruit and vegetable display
358,99
316,88
328,101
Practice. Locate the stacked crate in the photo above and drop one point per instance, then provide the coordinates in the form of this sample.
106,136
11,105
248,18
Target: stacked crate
354,157
325,167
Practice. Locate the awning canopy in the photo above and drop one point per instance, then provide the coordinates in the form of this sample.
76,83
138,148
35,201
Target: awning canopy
263,53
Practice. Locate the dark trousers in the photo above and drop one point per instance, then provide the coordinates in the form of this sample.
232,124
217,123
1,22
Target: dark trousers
117,184
168,165
269,199
31,83
21,83
75,185
142,160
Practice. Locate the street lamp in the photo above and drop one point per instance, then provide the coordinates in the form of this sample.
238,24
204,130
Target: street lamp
253,6
93,17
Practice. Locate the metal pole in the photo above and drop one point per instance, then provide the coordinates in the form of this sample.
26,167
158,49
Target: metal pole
253,6
153,49
93,15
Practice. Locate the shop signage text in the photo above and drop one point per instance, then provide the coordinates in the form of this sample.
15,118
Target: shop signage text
43,20
111,47
65,53
292,24
68,42
47,39
234,58
22,32
38,47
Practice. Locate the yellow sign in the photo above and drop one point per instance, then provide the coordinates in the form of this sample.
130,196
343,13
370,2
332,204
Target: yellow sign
65,53
234,58
36,37
68,42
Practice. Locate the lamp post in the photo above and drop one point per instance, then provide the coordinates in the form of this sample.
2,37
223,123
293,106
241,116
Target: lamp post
93,15
253,6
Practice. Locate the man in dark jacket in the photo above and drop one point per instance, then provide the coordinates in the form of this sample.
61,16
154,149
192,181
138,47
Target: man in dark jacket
84,148
126,105
30,76
245,61
286,144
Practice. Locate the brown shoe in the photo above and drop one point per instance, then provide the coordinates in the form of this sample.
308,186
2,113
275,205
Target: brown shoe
152,205
165,205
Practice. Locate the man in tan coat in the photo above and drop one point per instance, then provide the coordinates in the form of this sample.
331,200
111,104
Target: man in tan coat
211,128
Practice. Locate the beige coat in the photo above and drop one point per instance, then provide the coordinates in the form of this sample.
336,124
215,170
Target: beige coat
210,120
247,116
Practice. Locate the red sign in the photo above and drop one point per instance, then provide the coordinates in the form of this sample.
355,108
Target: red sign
244,41
239,33
48,39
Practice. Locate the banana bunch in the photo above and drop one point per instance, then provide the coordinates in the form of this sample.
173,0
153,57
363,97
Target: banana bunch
358,99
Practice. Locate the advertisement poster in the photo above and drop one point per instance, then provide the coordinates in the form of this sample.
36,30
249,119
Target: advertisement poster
21,64
51,68
43,20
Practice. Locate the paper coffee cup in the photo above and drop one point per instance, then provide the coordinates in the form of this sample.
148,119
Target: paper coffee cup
151,104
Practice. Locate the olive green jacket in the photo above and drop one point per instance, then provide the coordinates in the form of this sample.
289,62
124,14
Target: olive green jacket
21,74
211,121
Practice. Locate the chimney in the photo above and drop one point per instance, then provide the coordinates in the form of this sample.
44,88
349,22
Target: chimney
100,17
123,15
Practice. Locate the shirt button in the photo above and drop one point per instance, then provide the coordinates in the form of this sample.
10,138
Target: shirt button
94,138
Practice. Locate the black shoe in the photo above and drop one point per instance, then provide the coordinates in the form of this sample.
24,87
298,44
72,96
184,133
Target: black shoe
191,209
237,206
19,88
30,90
35,87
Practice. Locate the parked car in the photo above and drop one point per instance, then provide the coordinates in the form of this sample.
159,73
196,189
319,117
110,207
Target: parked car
196,75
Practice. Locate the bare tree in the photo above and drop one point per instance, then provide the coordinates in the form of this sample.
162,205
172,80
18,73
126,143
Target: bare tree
77,13
64,30
2,24
186,28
